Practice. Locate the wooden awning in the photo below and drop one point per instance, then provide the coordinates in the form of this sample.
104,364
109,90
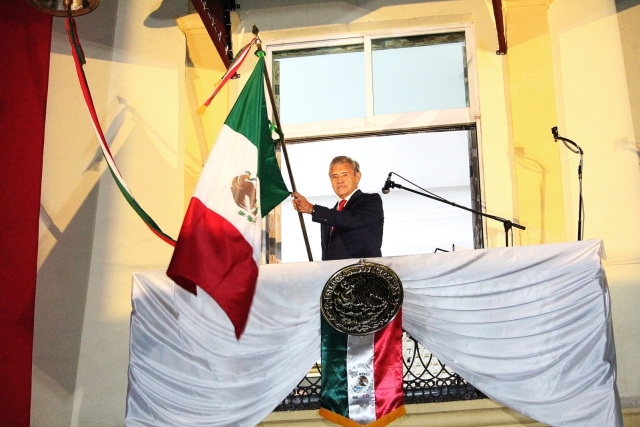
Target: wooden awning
215,15
502,40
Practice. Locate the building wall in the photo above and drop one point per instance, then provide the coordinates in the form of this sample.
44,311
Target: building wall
569,64
597,103
91,241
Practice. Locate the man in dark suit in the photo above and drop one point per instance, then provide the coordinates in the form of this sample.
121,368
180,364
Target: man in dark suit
353,228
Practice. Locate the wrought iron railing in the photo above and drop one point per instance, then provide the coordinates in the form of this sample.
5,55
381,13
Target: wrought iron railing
425,380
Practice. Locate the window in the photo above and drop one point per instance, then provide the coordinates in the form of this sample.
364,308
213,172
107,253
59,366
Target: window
419,73
397,104
321,84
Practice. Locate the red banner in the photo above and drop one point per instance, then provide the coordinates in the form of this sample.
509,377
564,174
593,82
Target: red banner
25,41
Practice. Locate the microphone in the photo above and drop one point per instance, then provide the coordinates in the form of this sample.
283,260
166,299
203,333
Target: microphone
554,131
387,184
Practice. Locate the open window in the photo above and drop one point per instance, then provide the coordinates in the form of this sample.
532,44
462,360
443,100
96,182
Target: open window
395,103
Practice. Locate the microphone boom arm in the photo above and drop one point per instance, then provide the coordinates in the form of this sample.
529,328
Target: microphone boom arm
505,222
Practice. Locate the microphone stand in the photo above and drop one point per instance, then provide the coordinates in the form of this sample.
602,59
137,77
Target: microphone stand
574,148
505,222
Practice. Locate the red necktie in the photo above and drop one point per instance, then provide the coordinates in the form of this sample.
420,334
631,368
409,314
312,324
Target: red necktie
340,206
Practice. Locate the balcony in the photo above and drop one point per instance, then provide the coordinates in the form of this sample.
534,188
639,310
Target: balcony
426,380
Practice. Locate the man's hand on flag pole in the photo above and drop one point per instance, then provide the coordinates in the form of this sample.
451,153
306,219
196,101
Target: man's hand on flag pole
301,204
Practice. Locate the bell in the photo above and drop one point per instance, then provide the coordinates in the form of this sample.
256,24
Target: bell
61,7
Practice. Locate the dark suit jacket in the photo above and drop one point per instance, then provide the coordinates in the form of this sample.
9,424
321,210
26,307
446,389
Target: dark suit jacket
358,227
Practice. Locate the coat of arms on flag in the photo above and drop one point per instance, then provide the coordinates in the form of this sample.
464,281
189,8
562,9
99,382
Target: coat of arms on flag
219,245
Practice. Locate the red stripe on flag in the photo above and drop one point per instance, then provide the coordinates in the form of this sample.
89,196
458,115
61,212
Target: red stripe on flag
387,367
214,254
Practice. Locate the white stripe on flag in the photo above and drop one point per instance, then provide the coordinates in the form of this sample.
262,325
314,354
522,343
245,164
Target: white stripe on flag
362,408
232,155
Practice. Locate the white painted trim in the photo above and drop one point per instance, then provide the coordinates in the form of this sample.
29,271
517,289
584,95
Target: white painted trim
422,119
483,202
337,39
472,73
293,44
368,79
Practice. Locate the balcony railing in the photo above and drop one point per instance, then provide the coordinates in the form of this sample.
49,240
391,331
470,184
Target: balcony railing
425,380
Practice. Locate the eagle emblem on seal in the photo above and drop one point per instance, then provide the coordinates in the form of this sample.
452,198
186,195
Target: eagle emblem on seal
243,190
361,298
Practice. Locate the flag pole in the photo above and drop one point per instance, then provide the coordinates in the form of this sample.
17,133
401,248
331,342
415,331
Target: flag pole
276,118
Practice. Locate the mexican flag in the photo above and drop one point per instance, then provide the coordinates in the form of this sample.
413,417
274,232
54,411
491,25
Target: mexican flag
219,245
362,376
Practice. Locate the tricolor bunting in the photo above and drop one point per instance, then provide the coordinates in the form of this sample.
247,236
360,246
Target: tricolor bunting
362,376
79,59
218,248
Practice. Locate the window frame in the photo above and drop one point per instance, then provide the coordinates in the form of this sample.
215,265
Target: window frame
373,123
424,121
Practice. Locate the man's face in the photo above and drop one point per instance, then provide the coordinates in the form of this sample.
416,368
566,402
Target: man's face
343,180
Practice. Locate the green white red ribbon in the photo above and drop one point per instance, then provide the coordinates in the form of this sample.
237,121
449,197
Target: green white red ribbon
231,72
78,56
362,376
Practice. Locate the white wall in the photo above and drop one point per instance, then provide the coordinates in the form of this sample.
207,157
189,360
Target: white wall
595,111
91,240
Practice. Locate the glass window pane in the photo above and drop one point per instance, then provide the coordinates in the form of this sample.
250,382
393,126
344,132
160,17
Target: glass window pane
322,84
437,161
419,73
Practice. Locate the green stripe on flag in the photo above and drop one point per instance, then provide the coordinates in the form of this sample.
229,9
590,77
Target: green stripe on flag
249,118
335,395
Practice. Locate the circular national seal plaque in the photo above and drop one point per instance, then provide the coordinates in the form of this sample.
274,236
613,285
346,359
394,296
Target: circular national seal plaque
361,298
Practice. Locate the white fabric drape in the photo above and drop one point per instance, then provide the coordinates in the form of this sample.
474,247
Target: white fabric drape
528,326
